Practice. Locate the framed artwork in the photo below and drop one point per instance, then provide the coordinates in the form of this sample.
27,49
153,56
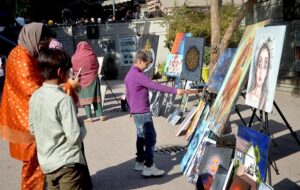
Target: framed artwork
149,43
193,146
169,105
233,82
251,155
173,66
185,98
155,106
195,120
174,117
127,48
220,70
213,158
264,68
186,122
178,45
192,59
239,183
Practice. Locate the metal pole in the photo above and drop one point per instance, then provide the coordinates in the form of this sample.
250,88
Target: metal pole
114,10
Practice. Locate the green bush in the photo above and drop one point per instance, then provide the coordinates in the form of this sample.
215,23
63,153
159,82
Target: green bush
109,69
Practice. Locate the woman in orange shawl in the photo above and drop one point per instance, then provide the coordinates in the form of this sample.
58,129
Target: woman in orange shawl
22,79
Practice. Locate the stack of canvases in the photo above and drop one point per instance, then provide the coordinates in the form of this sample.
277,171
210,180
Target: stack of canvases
183,63
205,163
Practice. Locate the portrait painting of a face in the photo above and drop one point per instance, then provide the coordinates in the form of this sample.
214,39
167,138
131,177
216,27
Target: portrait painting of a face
264,68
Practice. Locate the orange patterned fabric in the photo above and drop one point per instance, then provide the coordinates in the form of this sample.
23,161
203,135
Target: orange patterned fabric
32,175
22,79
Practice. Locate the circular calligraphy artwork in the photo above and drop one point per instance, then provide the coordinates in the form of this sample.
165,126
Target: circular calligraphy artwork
192,58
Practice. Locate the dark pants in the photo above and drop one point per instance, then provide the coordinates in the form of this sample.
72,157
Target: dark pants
146,138
71,177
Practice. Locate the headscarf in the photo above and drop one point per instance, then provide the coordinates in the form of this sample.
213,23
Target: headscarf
86,59
55,44
30,36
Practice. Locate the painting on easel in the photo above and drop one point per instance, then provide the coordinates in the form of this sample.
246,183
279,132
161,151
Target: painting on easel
217,77
173,66
192,59
264,69
233,81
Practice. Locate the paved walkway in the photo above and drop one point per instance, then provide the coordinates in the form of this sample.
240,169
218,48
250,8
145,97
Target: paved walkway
110,149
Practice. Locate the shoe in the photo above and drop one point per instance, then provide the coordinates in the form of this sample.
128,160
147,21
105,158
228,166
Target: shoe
152,171
88,120
102,118
139,166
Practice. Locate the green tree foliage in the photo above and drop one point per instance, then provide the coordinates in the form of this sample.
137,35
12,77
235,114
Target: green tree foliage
184,19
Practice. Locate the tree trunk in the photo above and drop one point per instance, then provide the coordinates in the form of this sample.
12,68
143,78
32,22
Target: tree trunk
235,24
215,32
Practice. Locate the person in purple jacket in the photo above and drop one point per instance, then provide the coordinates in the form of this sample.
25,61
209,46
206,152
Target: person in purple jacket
137,85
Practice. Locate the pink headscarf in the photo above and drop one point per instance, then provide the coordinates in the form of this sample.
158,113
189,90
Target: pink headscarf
86,59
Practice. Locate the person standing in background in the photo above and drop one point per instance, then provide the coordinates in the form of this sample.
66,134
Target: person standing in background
86,60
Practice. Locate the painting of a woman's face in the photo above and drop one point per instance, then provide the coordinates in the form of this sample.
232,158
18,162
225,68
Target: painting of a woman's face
213,165
262,67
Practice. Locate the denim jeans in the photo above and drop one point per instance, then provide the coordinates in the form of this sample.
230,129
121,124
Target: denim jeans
146,138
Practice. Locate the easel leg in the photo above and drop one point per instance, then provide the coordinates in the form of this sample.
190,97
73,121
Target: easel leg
286,123
239,114
252,117
111,91
267,129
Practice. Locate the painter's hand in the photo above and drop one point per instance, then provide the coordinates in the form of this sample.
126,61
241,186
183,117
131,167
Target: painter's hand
181,91
74,83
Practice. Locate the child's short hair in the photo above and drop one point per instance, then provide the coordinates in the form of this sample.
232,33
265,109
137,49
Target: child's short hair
143,55
50,60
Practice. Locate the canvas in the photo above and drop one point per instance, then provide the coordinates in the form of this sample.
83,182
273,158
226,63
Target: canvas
169,105
220,70
251,156
155,107
193,146
219,178
264,186
174,117
185,98
192,59
233,82
264,68
239,184
192,171
192,127
213,158
149,43
186,122
178,45
173,66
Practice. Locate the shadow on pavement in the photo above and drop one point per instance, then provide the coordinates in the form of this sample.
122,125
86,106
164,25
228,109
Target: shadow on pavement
286,145
286,184
123,176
